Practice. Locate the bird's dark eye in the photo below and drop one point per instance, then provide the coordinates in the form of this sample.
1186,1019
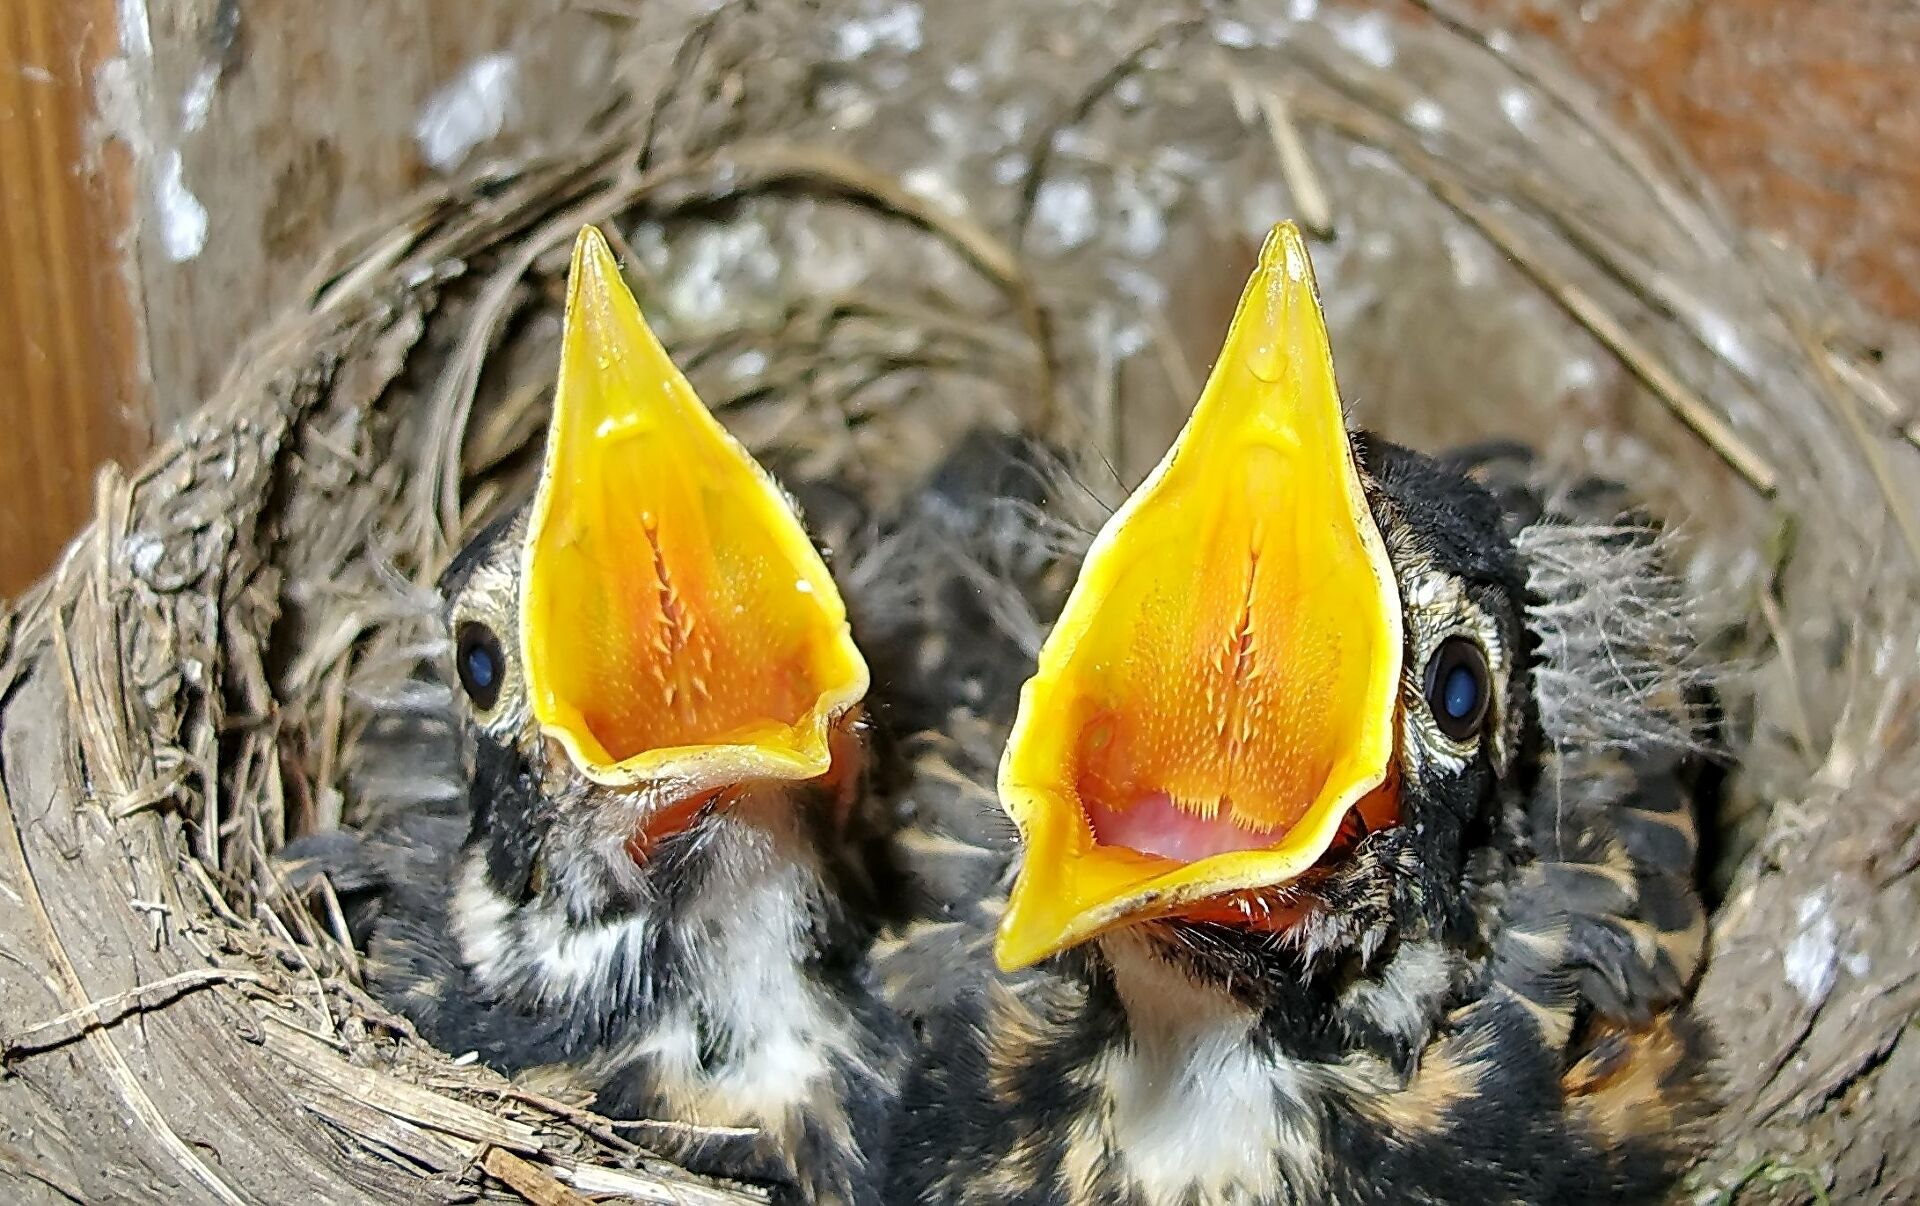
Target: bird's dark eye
1459,689
478,659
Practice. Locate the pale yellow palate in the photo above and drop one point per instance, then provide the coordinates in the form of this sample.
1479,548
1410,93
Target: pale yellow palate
676,621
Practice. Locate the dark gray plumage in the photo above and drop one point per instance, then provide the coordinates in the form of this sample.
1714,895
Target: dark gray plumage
1486,1002
713,976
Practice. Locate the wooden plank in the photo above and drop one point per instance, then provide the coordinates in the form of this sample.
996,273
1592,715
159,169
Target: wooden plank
1805,115
289,124
70,390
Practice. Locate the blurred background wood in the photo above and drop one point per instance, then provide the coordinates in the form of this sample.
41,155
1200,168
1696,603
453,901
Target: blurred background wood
70,390
1805,114
171,168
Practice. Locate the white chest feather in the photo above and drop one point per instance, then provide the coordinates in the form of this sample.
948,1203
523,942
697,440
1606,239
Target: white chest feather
1195,1109
750,1038
743,1036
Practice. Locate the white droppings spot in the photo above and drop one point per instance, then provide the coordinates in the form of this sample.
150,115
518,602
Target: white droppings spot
1517,104
1578,373
1472,262
1130,340
1720,334
1009,168
1499,41
949,127
1426,114
931,184
963,79
1142,227
1139,286
136,36
897,27
1010,123
803,586
1368,35
38,75
1302,10
848,106
1064,210
183,220
1857,965
750,363
143,552
1236,34
467,111
1812,955
198,98
715,262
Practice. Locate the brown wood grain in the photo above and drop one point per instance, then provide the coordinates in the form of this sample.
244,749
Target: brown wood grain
70,393
1804,114
307,133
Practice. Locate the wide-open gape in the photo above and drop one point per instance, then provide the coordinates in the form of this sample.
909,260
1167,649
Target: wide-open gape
1220,690
677,624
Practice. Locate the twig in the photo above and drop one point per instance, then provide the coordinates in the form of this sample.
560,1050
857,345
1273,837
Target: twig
19,1164
693,1129
113,1062
1847,402
1274,109
1041,157
1775,1172
1797,711
1357,123
58,1031
737,170
1555,85
603,1128
587,1121
1875,392
597,1179
530,1181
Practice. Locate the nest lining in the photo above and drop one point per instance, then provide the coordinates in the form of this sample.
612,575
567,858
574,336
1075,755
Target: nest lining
193,683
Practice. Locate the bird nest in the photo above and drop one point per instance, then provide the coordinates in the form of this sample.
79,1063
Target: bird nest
864,232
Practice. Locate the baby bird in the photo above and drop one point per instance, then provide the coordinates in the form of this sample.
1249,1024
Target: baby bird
658,898
1353,797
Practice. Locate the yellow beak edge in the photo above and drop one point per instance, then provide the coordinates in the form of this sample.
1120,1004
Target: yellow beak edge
677,625
1220,689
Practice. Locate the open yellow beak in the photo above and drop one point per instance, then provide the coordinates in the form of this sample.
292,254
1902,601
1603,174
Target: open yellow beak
1221,687
676,623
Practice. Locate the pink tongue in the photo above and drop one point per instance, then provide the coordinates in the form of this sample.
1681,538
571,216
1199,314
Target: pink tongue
1153,824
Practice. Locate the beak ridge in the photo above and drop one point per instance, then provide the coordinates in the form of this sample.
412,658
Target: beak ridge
676,622
1221,687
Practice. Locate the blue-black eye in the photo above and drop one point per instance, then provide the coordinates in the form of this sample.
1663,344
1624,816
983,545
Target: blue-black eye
478,660
1459,687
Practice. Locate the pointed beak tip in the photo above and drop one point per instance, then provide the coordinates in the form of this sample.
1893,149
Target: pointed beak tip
1251,546
658,544
1020,944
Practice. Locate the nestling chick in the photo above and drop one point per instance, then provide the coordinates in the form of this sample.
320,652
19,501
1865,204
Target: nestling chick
659,897
1356,864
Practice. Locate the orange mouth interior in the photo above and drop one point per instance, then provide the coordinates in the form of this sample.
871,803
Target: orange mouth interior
1220,690
677,623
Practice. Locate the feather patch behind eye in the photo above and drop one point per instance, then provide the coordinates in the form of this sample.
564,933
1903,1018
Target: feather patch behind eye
403,750
984,539
1617,663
